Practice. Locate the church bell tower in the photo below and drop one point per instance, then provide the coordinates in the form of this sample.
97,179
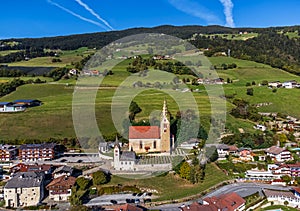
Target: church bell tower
165,134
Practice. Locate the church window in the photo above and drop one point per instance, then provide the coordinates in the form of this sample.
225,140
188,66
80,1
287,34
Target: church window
141,145
154,144
165,127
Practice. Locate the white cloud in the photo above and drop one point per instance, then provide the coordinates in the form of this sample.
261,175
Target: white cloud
194,9
228,6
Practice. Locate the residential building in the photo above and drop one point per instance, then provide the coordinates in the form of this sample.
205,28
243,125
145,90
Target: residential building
11,107
24,189
260,127
34,152
279,197
275,84
63,171
229,202
293,170
22,167
8,152
246,155
261,175
279,154
223,151
60,188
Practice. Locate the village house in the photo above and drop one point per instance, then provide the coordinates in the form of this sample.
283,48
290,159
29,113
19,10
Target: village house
60,188
274,172
292,170
22,167
63,171
246,155
275,84
279,154
11,107
224,150
8,152
34,152
24,189
280,197
260,127
228,202
261,175
73,72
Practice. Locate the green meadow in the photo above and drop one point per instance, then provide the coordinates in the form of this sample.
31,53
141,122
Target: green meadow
54,117
171,187
66,57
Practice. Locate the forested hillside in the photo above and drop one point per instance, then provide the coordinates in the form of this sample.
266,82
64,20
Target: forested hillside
274,46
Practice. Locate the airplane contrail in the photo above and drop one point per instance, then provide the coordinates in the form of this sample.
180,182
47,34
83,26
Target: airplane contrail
90,10
193,8
228,5
77,15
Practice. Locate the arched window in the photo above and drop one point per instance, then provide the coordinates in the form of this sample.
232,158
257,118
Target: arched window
141,145
154,144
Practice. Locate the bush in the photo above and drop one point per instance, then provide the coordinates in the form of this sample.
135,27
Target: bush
250,91
100,178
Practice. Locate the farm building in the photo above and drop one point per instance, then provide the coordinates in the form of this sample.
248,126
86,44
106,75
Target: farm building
11,107
18,105
28,103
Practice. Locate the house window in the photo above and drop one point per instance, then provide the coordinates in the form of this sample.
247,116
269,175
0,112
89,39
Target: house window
154,144
141,145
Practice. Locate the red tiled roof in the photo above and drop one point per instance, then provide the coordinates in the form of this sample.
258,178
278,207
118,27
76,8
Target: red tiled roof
144,132
21,167
196,207
275,150
297,190
230,201
126,207
63,182
233,148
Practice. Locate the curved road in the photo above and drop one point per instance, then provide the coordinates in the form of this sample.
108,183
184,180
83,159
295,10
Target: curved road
242,189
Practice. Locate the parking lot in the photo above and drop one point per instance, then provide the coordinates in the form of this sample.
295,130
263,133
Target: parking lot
107,200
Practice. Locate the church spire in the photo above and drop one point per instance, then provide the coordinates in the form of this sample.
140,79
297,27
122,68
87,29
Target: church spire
165,109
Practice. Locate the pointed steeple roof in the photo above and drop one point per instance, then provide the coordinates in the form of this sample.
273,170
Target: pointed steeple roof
165,108
117,142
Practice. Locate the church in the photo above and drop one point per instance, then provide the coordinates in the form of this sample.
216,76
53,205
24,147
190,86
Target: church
147,139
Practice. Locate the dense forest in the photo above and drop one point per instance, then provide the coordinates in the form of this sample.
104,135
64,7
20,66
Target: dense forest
271,46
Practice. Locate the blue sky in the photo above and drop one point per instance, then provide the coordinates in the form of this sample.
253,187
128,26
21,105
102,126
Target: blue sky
39,18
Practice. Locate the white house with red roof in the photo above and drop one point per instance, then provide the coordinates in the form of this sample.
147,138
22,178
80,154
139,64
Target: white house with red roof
279,154
144,139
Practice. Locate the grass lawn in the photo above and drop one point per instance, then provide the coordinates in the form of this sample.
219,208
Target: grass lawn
171,186
277,207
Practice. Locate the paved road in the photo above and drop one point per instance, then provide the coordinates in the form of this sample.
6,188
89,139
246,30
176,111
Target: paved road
242,189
